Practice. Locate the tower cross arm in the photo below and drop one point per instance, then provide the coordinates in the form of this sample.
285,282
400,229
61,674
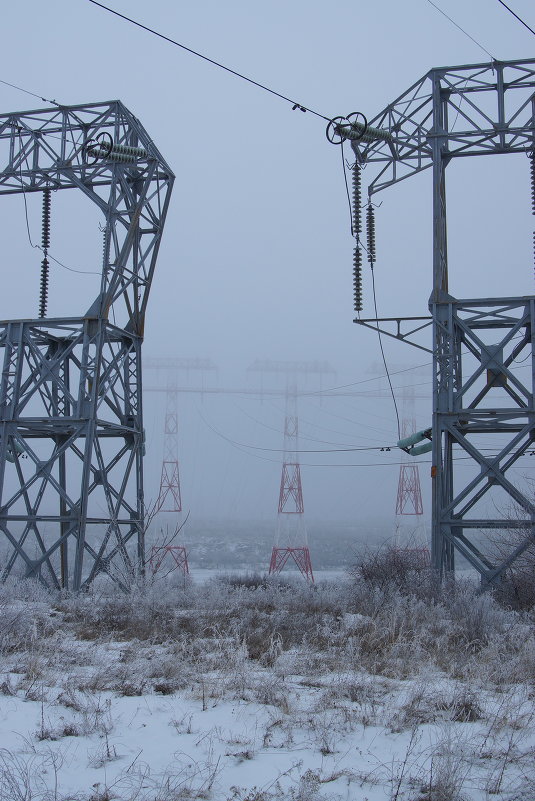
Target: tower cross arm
475,109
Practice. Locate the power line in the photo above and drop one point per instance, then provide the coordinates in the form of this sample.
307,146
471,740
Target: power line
462,29
281,450
27,91
525,24
383,354
244,449
38,247
295,104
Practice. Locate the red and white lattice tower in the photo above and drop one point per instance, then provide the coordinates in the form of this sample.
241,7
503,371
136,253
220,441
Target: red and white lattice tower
169,503
175,557
169,496
409,502
167,555
291,540
409,498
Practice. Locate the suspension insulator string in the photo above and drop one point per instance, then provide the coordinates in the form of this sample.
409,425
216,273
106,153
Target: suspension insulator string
45,244
357,279
357,199
357,229
370,232
105,252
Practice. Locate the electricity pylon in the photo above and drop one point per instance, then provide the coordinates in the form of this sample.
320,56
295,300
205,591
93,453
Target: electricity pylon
71,425
450,114
291,538
168,506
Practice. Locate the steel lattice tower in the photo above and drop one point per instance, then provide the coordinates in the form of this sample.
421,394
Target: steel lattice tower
169,496
450,114
409,496
176,555
71,424
291,539
168,506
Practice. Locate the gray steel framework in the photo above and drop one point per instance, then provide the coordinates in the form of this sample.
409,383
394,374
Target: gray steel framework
456,112
71,427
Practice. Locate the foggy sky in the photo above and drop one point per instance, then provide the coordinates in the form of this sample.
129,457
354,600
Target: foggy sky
256,256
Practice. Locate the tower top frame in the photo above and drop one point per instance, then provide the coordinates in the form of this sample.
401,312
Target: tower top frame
467,110
103,150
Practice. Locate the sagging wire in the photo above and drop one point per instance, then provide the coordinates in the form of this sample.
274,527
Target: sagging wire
370,238
344,170
295,106
281,450
301,435
40,247
244,449
525,24
461,29
33,94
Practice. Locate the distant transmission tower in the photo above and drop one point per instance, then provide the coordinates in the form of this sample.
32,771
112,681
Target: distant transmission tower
291,539
169,496
169,555
409,497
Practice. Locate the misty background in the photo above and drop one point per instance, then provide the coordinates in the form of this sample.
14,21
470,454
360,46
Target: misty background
256,256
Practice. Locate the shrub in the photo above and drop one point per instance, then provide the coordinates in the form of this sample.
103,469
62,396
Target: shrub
405,569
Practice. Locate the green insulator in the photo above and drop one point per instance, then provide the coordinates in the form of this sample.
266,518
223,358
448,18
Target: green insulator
127,150
407,442
361,133
419,449
121,154
12,449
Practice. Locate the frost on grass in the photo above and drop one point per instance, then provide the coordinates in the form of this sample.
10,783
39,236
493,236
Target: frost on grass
367,688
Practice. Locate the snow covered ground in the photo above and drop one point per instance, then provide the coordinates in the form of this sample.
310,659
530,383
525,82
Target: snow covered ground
253,693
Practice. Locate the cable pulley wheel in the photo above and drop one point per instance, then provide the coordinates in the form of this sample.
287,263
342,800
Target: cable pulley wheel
335,134
98,148
332,131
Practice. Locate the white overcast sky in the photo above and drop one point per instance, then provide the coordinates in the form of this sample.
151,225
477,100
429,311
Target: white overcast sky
256,257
